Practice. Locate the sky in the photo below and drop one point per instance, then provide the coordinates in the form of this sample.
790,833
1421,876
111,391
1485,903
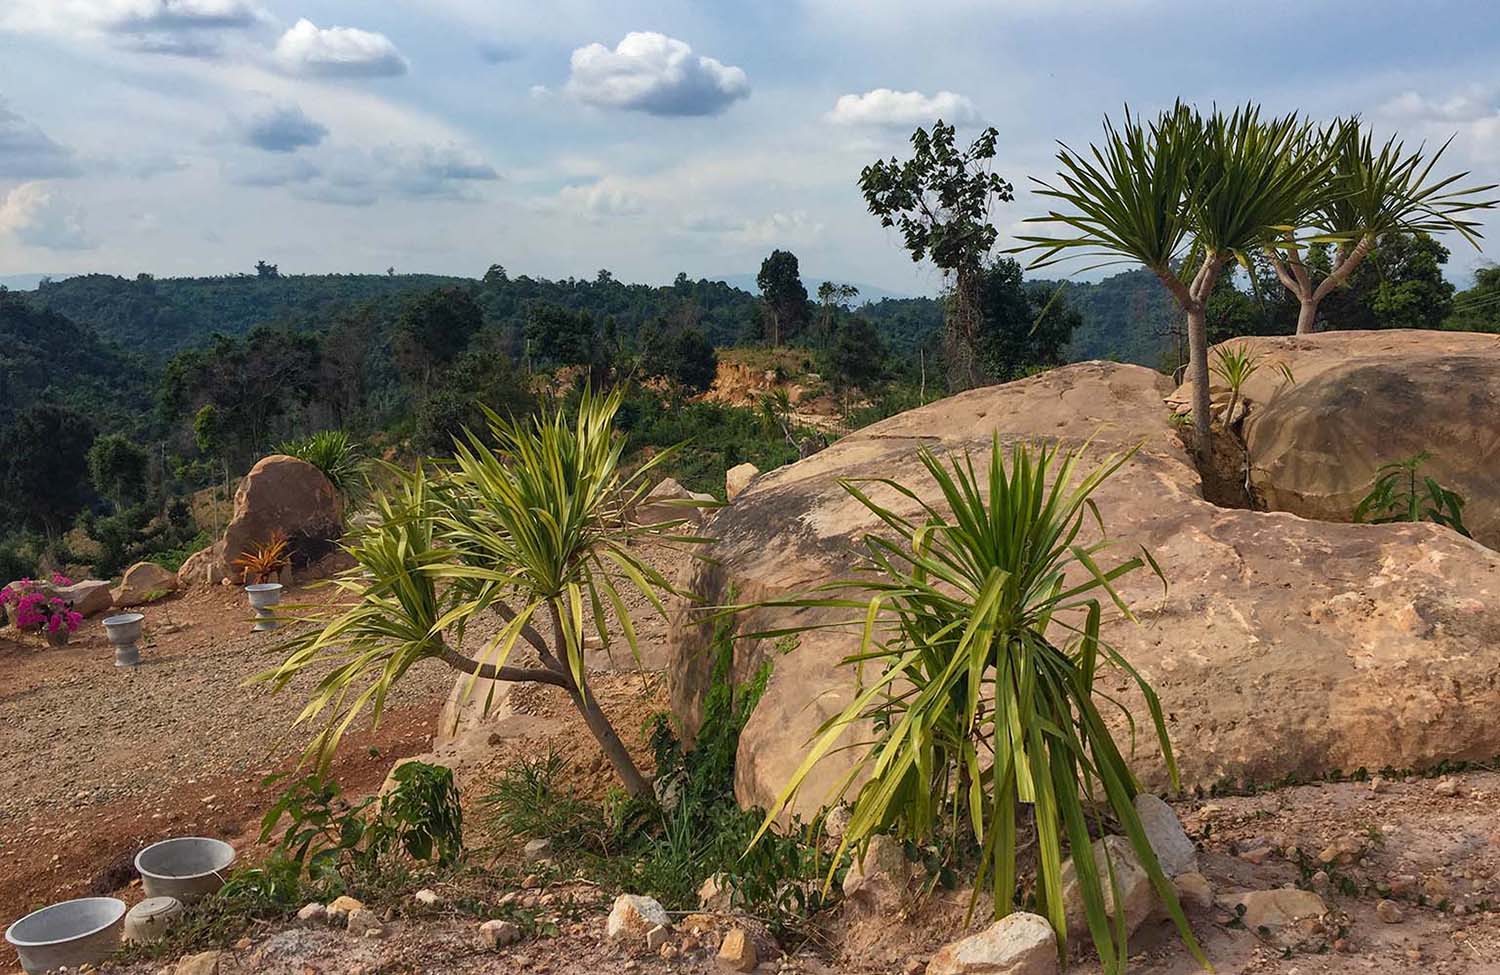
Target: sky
187,137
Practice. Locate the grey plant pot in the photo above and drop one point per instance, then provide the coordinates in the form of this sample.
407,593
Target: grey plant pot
70,934
187,867
123,631
263,597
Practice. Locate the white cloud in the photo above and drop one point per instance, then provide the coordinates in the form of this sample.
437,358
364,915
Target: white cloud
653,73
26,152
886,107
1470,105
775,228
182,27
37,217
602,198
281,128
338,52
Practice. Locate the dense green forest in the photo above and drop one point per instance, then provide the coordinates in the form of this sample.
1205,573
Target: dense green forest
121,396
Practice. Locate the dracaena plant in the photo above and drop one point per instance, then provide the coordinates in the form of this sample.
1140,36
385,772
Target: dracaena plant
981,614
538,529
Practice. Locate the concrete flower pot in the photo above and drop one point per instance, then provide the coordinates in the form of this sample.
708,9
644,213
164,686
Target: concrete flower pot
123,631
263,597
150,920
71,934
188,867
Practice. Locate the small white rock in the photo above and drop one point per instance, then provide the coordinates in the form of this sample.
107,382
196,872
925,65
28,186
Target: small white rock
1173,848
1017,944
499,934
427,897
632,916
313,913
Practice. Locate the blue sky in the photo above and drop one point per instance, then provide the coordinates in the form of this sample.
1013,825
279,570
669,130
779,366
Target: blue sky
198,136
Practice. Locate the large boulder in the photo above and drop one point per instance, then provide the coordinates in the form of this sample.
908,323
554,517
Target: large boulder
287,495
144,582
1363,399
89,597
1283,646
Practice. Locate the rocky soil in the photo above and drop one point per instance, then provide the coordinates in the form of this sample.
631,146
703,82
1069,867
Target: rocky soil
97,761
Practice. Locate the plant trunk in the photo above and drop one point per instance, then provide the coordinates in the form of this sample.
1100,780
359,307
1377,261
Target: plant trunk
1307,316
614,749
1197,329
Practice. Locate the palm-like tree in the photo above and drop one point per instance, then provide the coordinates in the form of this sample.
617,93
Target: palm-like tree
1376,192
1184,195
540,528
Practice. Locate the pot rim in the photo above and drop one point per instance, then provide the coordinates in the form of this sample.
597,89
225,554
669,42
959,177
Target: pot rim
121,619
20,943
233,853
264,587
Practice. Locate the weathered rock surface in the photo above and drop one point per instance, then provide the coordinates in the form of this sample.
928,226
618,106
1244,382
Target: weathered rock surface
282,494
737,953
1272,909
1137,898
663,503
632,916
1362,399
1282,646
878,880
202,568
143,583
738,478
89,597
1169,841
1017,944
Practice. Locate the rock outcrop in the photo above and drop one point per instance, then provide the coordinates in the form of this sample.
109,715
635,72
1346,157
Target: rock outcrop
143,583
1364,399
280,494
1282,647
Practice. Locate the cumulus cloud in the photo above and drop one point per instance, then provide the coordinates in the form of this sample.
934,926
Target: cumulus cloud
886,107
26,152
602,198
653,73
338,52
282,128
37,217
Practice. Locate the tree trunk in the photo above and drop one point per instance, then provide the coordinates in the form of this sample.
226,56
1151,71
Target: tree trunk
1197,329
1307,316
614,749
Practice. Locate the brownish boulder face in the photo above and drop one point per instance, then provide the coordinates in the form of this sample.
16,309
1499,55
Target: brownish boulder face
1282,647
142,583
1364,399
282,494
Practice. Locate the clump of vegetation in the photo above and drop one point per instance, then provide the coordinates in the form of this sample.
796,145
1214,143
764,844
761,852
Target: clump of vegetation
340,459
1234,365
329,847
668,844
976,713
541,525
264,562
1401,493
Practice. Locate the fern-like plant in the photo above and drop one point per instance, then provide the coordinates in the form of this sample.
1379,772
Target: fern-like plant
979,711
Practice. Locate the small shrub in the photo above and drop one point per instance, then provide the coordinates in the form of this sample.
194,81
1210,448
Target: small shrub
340,459
265,561
1397,495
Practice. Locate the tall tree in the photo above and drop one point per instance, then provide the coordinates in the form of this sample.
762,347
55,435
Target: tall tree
118,469
44,467
857,354
1400,285
785,298
1026,326
1478,309
433,328
1371,194
940,199
832,299
1184,195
